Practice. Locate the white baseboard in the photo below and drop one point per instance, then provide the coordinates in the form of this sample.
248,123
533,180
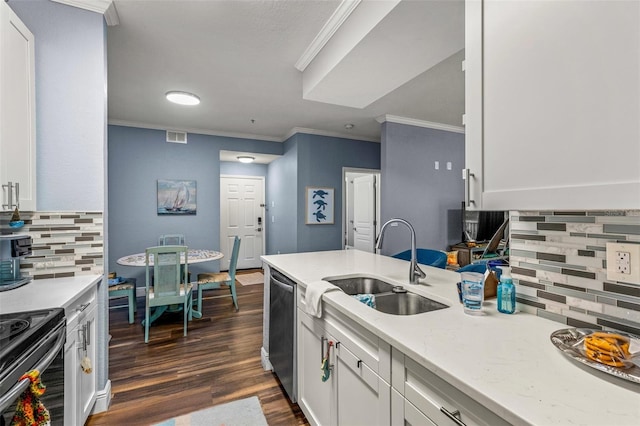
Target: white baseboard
264,360
103,399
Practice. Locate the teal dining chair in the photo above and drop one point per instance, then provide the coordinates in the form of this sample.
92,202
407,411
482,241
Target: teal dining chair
170,285
212,280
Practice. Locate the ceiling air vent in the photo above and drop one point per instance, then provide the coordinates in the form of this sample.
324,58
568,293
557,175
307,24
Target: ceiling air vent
174,136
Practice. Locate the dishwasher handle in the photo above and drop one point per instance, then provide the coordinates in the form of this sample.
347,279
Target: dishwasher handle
282,286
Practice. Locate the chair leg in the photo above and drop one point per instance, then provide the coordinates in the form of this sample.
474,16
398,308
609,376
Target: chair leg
147,318
131,297
232,287
200,298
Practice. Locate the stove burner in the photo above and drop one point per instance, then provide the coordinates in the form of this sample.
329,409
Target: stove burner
12,327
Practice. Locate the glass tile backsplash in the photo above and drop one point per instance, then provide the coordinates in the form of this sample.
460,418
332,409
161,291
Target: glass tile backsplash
558,259
65,244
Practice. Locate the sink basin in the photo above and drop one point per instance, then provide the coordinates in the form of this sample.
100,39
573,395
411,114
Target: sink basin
406,304
361,285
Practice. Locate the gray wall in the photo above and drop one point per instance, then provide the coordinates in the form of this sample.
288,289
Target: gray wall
310,160
282,200
413,190
137,159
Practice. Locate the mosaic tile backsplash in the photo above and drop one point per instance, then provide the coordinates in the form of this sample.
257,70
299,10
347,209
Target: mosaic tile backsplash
65,244
558,259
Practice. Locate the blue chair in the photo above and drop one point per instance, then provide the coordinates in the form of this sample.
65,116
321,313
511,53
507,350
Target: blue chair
212,280
170,285
429,257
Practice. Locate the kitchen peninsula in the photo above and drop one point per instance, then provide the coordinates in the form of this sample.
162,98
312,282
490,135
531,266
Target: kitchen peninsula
499,368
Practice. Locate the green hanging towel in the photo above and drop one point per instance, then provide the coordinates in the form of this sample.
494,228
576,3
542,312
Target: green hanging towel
326,369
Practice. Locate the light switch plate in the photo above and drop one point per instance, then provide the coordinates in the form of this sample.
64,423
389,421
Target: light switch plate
634,262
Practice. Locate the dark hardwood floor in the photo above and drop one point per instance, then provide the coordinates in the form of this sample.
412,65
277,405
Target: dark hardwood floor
217,362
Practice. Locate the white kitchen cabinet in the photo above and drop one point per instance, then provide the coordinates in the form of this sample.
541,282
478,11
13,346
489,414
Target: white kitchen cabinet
418,392
315,397
17,113
552,104
80,376
356,392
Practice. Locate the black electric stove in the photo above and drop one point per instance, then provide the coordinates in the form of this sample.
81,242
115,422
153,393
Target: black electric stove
19,331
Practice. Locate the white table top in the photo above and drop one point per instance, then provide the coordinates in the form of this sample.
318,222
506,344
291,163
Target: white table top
194,256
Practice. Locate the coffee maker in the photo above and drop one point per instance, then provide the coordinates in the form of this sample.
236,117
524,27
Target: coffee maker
12,249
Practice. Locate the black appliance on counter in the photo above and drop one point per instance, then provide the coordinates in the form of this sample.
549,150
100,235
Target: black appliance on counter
13,248
32,340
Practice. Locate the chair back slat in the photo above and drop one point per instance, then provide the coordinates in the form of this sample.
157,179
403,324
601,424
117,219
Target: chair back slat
171,240
234,257
168,270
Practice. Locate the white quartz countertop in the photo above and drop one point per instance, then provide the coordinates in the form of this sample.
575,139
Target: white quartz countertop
505,362
47,293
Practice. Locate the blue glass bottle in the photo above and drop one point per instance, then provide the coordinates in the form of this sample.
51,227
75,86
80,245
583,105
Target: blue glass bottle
506,292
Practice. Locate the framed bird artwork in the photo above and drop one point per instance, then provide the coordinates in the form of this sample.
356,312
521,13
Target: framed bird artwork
320,205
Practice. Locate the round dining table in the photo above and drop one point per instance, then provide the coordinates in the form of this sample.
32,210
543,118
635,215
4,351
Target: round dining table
193,256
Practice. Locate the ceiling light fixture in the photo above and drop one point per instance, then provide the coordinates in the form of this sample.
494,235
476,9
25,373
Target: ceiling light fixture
349,126
246,159
182,98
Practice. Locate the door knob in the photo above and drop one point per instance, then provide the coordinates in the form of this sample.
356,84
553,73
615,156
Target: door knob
259,229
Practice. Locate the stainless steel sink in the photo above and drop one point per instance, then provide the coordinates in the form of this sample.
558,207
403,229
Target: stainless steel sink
361,285
389,299
406,304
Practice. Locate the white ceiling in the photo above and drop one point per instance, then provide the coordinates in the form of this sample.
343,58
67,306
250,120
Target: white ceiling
239,57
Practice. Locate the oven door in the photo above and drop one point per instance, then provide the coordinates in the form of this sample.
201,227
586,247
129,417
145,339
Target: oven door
47,357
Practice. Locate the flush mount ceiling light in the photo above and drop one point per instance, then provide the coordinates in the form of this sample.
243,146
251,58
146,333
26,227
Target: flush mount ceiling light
183,98
246,159
349,126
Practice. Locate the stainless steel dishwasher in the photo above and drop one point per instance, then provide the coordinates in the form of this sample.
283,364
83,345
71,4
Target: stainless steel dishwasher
282,331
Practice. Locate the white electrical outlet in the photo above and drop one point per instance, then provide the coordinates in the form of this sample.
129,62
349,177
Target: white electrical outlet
623,262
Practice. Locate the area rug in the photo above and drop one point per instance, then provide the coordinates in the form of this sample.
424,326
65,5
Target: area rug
243,412
250,279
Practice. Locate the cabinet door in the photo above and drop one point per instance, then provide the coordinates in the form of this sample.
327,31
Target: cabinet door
17,110
70,378
559,93
86,349
315,397
363,398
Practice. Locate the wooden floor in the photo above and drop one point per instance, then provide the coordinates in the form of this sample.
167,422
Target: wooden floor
218,362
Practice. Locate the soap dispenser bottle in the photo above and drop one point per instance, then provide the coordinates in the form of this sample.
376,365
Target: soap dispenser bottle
506,292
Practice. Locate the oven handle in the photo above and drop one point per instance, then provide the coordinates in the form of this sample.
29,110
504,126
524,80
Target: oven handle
8,398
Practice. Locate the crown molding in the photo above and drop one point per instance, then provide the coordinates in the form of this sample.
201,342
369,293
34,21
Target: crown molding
336,20
104,7
209,132
419,123
195,130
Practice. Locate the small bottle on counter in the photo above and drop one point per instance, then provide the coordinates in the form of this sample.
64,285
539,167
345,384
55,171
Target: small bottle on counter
506,292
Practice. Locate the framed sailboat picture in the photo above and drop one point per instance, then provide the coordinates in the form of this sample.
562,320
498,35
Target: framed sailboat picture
176,197
319,203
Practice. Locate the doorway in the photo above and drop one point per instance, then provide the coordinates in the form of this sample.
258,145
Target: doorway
242,214
361,208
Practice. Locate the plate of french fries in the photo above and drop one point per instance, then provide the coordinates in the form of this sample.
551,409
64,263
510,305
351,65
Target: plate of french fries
612,352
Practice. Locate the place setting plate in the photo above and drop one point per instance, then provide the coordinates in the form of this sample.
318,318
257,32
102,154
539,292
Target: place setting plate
570,342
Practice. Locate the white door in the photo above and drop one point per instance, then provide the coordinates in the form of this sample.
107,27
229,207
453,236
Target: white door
242,214
364,208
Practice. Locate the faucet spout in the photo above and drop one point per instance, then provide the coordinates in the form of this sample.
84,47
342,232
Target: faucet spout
415,273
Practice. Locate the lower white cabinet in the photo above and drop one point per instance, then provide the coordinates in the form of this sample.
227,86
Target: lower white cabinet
80,359
425,395
355,393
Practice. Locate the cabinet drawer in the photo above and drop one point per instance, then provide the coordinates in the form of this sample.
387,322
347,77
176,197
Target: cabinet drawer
79,308
357,366
434,397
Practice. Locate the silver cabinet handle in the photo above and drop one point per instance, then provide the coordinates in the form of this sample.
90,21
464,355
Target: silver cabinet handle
455,416
467,175
17,195
82,307
9,187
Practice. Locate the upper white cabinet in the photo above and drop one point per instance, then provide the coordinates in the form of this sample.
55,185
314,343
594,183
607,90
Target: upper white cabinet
552,104
17,113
